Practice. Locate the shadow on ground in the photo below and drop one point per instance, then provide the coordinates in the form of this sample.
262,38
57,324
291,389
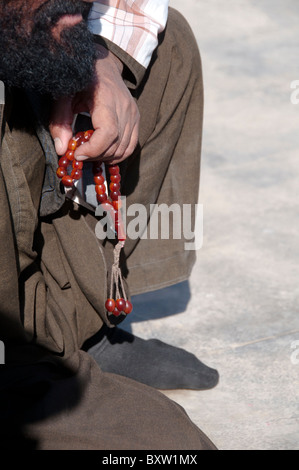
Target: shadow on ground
163,303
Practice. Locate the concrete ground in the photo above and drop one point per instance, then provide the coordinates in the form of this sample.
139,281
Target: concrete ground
239,312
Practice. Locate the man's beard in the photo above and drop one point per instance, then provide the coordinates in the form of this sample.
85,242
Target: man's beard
40,62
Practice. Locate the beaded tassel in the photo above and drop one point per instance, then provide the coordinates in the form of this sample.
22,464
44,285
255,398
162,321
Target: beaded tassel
111,205
117,290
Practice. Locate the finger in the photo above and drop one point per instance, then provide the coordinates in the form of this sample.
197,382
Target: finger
134,134
133,141
114,156
99,146
130,136
113,159
103,142
61,121
129,142
124,142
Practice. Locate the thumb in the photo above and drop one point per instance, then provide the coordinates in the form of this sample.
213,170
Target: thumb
61,121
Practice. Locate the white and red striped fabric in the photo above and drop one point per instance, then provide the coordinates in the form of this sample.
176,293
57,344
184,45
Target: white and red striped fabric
131,25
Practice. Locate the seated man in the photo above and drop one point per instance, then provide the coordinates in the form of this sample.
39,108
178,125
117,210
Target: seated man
54,270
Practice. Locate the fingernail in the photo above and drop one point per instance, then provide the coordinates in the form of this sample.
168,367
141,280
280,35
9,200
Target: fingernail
81,158
58,145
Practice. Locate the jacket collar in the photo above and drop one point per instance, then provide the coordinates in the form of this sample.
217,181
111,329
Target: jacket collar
52,198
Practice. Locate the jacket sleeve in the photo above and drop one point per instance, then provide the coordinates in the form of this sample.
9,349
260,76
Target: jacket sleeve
130,30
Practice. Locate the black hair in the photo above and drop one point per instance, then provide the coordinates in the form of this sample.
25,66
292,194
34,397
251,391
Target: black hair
40,62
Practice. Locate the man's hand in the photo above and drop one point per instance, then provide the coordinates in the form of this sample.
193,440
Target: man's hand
114,114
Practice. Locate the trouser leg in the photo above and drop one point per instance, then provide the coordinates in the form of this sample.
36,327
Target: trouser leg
72,405
164,170
166,166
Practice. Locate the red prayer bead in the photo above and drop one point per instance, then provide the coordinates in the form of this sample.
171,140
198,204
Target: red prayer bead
81,142
101,198
100,189
77,165
115,178
72,144
110,305
88,134
115,195
108,206
63,162
117,204
76,174
99,179
61,172
114,187
121,304
113,170
67,181
128,308
116,312
70,154
79,136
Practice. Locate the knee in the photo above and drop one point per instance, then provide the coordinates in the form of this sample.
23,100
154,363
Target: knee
182,33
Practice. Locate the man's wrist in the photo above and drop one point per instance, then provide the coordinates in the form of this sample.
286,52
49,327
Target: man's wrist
133,72
105,54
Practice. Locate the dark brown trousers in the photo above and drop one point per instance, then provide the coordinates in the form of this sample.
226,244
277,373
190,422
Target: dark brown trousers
54,273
